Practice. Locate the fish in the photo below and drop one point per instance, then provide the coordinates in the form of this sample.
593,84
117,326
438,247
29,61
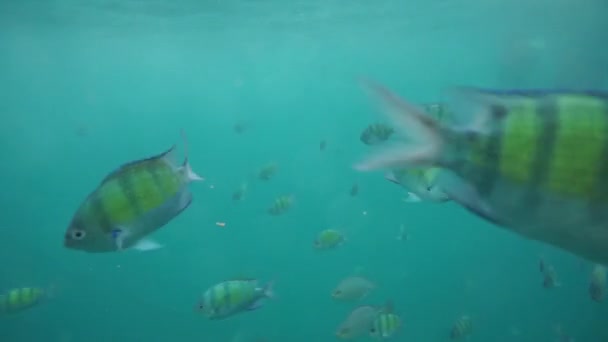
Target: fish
597,284
329,239
239,194
533,162
358,322
281,205
386,324
462,328
132,202
268,171
420,184
322,145
20,299
235,296
353,288
376,133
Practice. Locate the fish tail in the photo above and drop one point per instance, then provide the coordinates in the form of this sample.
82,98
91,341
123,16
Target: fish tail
186,168
427,139
268,289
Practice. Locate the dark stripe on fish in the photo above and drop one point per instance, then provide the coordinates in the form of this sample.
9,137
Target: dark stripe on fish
490,169
599,199
127,185
547,111
102,214
227,295
157,179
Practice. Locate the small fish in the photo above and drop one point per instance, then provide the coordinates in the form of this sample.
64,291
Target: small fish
232,297
132,202
462,328
386,325
21,299
376,133
322,145
268,171
239,194
550,278
353,288
522,160
329,239
597,285
281,205
420,184
354,190
358,322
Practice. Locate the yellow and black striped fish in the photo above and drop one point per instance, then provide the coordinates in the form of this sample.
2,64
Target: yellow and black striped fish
385,326
20,299
131,203
233,296
281,205
534,162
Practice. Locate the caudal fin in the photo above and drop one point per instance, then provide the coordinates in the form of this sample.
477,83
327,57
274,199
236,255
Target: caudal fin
186,168
425,142
268,289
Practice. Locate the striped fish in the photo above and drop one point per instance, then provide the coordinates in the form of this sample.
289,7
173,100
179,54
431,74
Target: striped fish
386,325
132,202
420,184
535,163
233,296
20,299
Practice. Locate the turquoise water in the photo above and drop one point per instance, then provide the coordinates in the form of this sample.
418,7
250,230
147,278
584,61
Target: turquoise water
88,85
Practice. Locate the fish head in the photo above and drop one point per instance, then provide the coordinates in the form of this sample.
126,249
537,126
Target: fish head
86,237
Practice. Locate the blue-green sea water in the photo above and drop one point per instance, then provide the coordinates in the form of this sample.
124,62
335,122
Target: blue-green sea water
86,86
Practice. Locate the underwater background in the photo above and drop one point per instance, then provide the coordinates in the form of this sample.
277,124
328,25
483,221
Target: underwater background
86,86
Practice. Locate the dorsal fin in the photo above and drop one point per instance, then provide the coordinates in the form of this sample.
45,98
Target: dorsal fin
166,155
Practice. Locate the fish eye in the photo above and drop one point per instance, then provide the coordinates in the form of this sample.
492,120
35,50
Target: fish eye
78,234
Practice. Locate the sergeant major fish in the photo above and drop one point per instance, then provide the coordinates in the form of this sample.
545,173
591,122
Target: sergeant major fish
534,162
233,296
132,202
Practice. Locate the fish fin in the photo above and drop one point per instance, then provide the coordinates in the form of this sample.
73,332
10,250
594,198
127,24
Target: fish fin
391,177
478,110
186,169
119,234
426,138
437,195
184,201
388,306
412,198
268,290
255,305
144,245
463,193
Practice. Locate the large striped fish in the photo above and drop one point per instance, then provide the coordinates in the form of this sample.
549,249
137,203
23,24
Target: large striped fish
132,202
533,162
